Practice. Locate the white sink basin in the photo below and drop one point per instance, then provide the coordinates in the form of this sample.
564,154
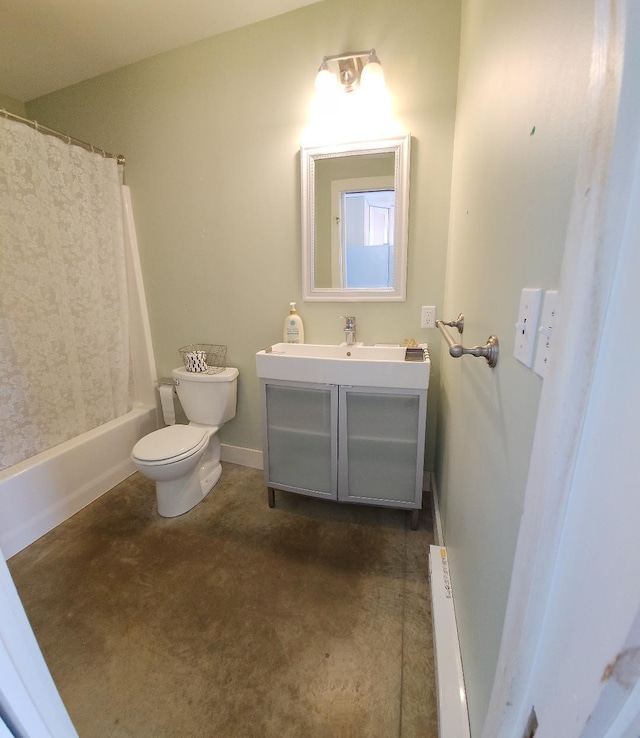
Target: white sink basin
358,365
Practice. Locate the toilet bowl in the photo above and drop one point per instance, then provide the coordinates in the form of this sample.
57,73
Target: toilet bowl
184,460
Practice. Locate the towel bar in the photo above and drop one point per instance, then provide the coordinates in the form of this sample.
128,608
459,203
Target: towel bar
490,350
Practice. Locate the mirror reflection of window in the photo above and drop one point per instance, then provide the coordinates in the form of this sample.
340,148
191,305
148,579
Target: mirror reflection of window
359,173
366,238
362,232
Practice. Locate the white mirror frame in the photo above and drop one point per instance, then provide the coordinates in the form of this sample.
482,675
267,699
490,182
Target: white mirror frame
400,147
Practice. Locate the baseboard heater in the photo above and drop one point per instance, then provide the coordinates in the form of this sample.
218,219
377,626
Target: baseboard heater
453,717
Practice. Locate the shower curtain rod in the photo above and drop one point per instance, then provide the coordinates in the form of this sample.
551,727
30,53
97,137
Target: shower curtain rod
69,139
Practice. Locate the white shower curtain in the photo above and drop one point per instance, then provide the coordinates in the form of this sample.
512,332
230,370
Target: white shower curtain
64,331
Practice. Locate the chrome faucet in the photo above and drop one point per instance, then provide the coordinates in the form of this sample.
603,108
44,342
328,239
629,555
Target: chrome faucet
349,329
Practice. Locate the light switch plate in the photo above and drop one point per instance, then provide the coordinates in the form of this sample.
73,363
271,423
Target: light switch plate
549,315
527,325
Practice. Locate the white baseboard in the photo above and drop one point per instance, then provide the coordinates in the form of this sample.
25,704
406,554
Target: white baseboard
242,456
438,533
453,716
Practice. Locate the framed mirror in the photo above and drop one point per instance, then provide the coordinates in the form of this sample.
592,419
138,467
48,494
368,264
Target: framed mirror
355,220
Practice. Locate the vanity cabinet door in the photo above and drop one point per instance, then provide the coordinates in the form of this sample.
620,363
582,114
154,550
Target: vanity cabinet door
300,437
381,446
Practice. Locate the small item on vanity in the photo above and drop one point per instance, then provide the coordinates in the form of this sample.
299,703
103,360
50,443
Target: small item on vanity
293,326
417,353
410,343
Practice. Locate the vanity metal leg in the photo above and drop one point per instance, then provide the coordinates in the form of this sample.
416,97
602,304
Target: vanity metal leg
415,515
271,496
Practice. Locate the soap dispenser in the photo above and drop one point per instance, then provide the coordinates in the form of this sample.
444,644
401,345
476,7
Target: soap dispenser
293,326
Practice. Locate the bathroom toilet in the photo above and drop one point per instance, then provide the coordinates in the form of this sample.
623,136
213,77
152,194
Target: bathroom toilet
184,460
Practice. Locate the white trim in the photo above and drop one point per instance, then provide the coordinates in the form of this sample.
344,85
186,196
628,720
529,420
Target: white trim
243,456
453,716
28,695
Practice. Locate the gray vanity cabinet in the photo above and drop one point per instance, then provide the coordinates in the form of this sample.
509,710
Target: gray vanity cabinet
352,444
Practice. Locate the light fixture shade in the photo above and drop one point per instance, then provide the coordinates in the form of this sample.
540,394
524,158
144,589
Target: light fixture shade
372,75
326,82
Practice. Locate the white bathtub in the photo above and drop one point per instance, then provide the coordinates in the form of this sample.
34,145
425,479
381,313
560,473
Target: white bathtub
41,492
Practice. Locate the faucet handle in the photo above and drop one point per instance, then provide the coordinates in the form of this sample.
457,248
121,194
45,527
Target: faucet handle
350,321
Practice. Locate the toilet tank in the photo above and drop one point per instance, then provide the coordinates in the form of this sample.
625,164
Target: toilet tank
209,399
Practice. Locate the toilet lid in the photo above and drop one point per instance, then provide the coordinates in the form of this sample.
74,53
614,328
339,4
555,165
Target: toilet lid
170,444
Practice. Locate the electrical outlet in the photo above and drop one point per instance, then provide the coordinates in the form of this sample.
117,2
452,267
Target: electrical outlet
428,316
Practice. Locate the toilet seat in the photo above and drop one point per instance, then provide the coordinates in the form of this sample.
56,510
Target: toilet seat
170,445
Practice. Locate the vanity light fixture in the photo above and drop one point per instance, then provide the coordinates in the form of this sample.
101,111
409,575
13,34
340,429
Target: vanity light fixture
351,101
349,71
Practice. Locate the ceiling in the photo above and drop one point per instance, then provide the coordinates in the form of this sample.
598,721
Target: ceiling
46,45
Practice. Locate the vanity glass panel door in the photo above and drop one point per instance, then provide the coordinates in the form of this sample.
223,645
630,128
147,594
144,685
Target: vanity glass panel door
300,437
381,447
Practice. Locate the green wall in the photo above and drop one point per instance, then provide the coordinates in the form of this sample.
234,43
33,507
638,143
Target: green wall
12,106
211,133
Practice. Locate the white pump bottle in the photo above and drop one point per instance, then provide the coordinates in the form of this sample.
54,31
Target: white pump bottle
293,326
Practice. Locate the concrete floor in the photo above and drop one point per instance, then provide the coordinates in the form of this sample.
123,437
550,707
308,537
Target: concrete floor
234,620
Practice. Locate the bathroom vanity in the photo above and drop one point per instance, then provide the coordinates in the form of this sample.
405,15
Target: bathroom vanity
345,423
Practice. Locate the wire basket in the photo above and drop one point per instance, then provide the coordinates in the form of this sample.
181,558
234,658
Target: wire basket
209,358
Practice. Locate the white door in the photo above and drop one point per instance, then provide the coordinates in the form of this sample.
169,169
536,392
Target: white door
30,705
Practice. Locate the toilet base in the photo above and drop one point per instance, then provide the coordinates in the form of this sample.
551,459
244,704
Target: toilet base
176,497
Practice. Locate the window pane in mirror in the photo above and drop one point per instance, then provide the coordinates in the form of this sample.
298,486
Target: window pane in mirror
361,174
366,238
